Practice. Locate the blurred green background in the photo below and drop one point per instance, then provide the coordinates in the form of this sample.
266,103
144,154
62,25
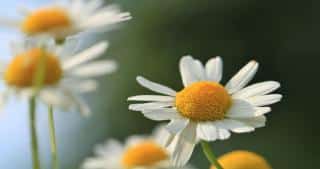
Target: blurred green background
282,35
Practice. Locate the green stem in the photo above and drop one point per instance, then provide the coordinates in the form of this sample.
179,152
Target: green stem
209,154
33,132
53,142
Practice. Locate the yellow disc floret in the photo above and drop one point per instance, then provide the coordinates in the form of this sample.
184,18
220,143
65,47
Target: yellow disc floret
45,19
243,160
22,69
203,101
146,153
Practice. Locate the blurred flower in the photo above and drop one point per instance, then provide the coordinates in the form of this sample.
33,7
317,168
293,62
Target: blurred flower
69,17
243,160
139,152
204,109
67,73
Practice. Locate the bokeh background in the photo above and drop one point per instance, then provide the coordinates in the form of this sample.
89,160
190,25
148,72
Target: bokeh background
282,35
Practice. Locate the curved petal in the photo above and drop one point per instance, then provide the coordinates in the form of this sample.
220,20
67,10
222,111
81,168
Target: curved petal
156,98
186,70
214,69
177,125
241,109
257,89
243,77
207,131
223,134
92,69
155,86
149,106
256,122
234,125
181,151
86,55
264,99
162,114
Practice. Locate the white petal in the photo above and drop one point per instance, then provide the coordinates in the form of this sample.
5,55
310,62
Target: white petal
214,69
97,68
177,125
104,17
162,114
82,86
155,86
240,109
207,131
257,89
233,125
223,134
256,122
190,132
181,151
86,55
149,106
264,99
156,98
243,77
199,70
162,136
261,111
187,70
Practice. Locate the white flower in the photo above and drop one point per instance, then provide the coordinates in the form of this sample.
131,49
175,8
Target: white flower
204,109
138,152
67,73
69,17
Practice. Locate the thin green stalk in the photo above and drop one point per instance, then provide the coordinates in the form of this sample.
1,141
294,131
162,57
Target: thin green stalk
33,132
209,154
53,142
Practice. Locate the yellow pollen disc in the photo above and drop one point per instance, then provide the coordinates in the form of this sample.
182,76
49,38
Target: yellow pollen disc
203,101
146,153
45,19
22,69
243,160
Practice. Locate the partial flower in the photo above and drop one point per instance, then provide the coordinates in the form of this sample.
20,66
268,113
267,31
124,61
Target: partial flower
138,152
205,109
241,159
67,73
69,17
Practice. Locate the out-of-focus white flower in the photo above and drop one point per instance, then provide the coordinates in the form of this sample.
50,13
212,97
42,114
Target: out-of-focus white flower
205,109
67,73
138,152
69,17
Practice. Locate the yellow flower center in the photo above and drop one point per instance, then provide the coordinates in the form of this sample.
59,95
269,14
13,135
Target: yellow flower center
243,160
203,101
45,19
146,153
22,69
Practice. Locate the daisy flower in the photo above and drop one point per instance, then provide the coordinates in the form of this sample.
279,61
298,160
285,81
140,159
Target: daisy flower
67,73
205,109
138,152
69,17
241,159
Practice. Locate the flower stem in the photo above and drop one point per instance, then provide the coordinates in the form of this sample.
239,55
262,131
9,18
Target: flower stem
53,142
33,132
209,154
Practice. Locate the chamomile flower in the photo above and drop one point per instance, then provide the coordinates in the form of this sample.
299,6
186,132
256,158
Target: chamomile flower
241,159
205,109
138,152
69,17
67,73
